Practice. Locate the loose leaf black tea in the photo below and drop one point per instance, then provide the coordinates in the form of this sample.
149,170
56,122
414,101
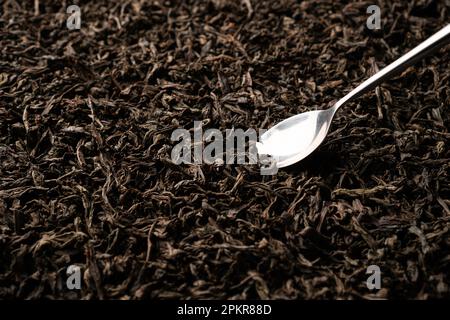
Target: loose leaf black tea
88,186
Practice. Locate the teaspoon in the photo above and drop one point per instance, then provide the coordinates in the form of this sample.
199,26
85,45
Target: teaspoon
294,138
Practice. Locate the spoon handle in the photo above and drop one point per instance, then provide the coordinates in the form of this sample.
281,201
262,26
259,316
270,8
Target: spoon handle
436,41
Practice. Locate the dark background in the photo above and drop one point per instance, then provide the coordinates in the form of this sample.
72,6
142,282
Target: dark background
86,177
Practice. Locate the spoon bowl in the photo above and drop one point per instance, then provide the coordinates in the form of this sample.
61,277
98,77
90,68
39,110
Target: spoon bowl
295,138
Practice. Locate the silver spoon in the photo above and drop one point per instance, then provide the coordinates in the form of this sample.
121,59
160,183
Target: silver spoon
295,138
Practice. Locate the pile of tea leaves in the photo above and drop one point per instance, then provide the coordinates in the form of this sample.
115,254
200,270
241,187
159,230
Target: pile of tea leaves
86,175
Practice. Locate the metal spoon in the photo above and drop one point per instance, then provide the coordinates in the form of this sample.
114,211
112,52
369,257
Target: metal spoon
295,138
